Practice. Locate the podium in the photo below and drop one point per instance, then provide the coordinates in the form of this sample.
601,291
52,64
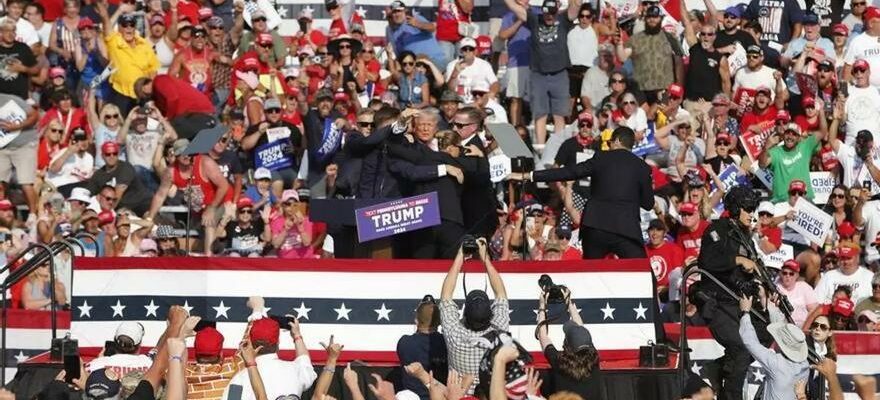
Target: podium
340,215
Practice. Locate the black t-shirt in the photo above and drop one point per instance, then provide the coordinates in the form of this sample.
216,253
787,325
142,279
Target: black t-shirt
230,165
703,80
245,239
593,387
568,155
294,140
143,391
314,126
14,82
548,44
724,39
429,350
830,12
135,196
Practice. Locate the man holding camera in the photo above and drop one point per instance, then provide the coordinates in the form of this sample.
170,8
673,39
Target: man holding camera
727,252
73,165
480,314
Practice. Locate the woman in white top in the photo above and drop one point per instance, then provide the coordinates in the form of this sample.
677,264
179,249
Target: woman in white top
162,44
105,125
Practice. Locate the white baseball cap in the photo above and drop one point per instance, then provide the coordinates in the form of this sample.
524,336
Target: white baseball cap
134,330
80,194
262,173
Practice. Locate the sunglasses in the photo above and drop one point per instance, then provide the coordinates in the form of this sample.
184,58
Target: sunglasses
365,124
53,130
111,116
838,196
858,4
825,68
109,198
111,154
266,46
200,34
722,143
707,34
585,16
459,125
478,94
127,24
246,211
765,214
259,19
215,28
273,110
618,80
788,273
859,70
627,103
289,203
408,63
466,49
585,125
344,46
686,214
796,193
820,326
754,56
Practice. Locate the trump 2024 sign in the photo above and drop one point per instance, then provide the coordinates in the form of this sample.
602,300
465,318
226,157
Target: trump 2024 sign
397,216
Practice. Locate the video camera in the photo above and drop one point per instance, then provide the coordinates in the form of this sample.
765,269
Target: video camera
555,293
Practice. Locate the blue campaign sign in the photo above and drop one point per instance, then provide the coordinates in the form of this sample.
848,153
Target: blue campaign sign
397,216
729,177
273,155
648,145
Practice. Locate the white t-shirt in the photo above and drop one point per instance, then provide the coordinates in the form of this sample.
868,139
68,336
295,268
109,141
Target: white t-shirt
862,109
280,378
25,32
76,168
121,363
583,46
788,234
638,121
748,79
479,72
865,47
871,214
44,32
859,282
691,160
854,169
140,147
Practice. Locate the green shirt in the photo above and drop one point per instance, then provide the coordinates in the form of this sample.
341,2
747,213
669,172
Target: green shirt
788,165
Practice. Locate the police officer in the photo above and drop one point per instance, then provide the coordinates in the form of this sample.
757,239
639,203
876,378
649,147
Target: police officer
726,253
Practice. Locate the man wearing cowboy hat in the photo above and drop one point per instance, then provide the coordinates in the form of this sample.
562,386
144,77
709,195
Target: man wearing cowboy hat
783,370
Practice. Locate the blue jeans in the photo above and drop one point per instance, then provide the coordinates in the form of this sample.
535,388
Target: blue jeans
147,177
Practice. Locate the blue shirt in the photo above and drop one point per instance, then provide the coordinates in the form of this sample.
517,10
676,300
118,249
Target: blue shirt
518,44
255,196
795,48
411,89
407,37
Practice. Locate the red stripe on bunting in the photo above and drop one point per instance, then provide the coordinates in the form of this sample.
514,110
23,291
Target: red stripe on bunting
354,265
35,319
848,342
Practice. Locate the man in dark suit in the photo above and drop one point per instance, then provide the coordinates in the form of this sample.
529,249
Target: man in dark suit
621,184
478,196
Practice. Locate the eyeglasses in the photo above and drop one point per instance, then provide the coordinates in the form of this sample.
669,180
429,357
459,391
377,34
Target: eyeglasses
466,49
796,193
585,16
344,46
365,124
273,110
459,125
722,143
788,273
859,70
820,326
111,116
618,80
258,19
111,154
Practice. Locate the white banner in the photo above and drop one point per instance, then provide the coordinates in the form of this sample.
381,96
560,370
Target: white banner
823,183
778,257
12,113
499,168
810,221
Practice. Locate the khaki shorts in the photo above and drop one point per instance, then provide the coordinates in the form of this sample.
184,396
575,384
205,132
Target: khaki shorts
24,162
498,44
518,82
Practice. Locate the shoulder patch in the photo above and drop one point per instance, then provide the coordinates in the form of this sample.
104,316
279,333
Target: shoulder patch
714,235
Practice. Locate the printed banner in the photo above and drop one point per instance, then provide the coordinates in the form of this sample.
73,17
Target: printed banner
274,155
823,183
810,221
648,145
778,257
499,168
763,175
743,98
397,216
729,177
753,142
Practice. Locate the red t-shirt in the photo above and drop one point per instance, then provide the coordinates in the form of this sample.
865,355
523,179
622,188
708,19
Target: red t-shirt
572,253
766,119
806,126
54,9
76,118
175,97
664,258
185,9
690,241
773,234
448,17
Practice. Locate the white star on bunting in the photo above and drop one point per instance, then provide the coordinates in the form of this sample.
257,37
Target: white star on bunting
361,11
118,309
302,311
151,308
607,311
697,369
282,12
187,307
640,311
20,357
221,310
383,313
759,375
342,312
85,310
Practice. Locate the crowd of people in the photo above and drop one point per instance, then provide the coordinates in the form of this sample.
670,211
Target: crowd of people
181,128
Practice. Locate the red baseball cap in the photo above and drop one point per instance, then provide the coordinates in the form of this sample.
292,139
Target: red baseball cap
870,13
792,265
808,101
205,13
5,205
840,29
484,45
843,307
85,22
251,63
846,252
798,185
687,208
861,64
264,38
783,115
675,90
846,229
340,96
209,342
109,147
265,330
722,137
106,217
585,116
244,202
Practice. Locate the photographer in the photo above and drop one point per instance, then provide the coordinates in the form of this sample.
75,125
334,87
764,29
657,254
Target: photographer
480,315
72,166
576,367
426,347
726,256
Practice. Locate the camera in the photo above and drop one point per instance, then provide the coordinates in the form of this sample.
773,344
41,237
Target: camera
555,293
317,59
748,288
469,246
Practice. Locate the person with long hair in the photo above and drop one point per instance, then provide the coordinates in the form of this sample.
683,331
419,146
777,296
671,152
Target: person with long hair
837,206
414,86
105,124
576,367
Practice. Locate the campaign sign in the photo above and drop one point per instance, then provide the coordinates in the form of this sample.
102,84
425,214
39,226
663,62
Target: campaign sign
763,175
11,113
397,216
273,156
648,145
728,177
810,221
778,257
753,142
499,168
823,183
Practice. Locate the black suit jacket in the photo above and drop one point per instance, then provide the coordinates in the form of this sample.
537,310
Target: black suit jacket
478,197
423,177
621,184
